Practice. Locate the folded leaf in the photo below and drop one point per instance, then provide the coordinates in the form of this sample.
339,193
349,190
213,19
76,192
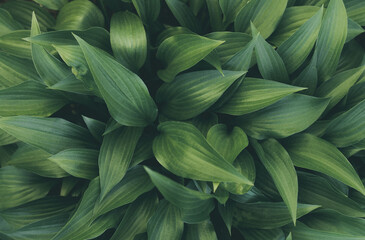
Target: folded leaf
181,52
308,151
147,10
184,151
201,231
192,93
286,117
124,92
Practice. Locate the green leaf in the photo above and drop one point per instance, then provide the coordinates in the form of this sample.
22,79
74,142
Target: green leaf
114,160
184,151
227,142
6,138
280,167
78,162
226,212
201,231
52,4
128,40
79,15
135,183
297,48
308,77
36,160
192,93
317,190
205,121
95,127
353,30
19,186
30,98
136,218
254,94
148,10
165,223
215,15
267,234
195,206
124,92
265,15
183,15
337,87
13,43
355,10
7,22
230,9
286,117
331,39
181,52
266,215
143,149
310,152
50,134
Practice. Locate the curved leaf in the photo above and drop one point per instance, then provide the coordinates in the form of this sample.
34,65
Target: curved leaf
201,231
148,10
13,43
52,4
355,10
183,14
7,22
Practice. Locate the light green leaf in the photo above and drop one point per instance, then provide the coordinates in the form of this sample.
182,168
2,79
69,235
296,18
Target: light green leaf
171,31
184,151
308,151
297,48
135,183
124,92
19,186
192,93
254,94
259,234
280,167
114,160
331,39
230,9
183,15
266,215
36,160
136,218
13,43
195,206
52,4
6,138
30,98
227,142
79,15
341,131
317,190
355,10
50,134
353,30
78,162
165,223
71,85
148,10
265,15
286,117
181,52
7,22
201,231
128,40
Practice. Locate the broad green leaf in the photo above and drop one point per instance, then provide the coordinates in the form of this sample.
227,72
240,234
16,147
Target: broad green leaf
280,167
181,52
338,86
78,162
308,77
266,215
128,40
148,10
286,117
293,18
79,15
265,15
341,131
317,190
353,30
52,4
7,22
183,15
195,206
254,94
22,12
6,138
215,15
135,183
19,186
267,234
205,121
230,9
200,231
331,39
96,127
30,98
227,142
165,223
192,93
171,31
13,43
36,160
50,134
116,153
355,10
125,94
310,152
317,3
184,151
297,48
136,218
71,85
